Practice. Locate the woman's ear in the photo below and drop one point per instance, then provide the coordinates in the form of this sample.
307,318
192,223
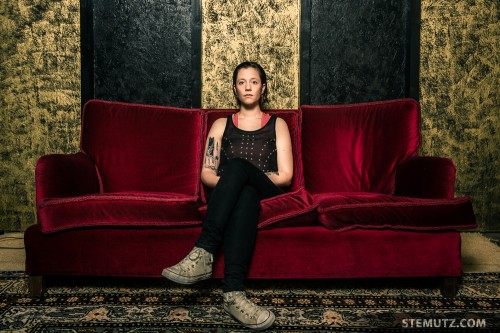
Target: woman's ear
264,87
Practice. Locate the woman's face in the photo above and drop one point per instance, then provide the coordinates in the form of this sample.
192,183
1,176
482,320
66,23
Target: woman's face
248,87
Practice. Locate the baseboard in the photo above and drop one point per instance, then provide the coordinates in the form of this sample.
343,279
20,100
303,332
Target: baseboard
493,236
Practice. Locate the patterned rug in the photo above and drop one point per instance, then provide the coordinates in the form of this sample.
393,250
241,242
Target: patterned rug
155,305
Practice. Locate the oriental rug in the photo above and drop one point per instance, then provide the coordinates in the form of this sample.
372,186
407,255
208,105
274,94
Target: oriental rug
117,305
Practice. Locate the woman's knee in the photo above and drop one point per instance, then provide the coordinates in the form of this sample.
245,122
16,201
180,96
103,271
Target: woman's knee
248,205
250,196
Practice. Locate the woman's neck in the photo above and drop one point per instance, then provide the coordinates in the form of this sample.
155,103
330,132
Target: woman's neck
250,112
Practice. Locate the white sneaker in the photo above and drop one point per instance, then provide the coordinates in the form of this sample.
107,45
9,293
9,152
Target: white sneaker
246,312
196,266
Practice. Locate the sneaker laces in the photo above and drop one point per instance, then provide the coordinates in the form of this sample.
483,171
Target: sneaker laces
191,260
245,306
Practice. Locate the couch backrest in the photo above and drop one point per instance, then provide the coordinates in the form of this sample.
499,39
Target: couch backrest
358,147
293,120
142,147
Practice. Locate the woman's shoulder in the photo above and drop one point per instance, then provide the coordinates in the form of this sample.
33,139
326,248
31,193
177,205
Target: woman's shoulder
219,125
280,122
220,121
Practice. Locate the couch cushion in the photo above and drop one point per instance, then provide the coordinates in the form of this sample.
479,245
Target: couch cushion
290,209
128,209
345,211
143,147
357,147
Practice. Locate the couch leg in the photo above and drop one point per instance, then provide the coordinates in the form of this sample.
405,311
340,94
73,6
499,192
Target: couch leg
35,285
449,286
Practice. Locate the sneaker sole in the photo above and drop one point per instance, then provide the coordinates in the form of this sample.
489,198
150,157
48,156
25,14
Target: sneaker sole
184,280
257,327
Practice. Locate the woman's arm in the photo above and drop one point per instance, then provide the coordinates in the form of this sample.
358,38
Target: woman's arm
285,158
211,158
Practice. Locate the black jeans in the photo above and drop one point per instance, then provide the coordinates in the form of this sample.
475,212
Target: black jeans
232,216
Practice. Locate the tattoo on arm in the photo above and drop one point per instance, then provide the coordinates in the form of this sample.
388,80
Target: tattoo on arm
273,173
212,154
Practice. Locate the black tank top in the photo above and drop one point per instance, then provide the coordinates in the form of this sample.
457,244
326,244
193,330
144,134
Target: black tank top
257,147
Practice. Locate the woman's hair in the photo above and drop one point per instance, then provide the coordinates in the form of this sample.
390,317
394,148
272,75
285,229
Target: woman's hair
262,75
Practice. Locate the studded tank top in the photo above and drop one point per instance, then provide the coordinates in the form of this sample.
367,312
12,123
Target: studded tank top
257,147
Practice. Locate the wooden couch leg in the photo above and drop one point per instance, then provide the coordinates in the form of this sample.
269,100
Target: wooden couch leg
35,285
449,286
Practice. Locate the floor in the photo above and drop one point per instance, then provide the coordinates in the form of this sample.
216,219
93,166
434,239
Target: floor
12,252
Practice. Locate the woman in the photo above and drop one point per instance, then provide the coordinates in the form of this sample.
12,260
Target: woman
248,157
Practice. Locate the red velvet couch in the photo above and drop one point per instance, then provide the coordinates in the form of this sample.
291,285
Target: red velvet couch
362,204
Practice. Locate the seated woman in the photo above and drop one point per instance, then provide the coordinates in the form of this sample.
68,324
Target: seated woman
248,157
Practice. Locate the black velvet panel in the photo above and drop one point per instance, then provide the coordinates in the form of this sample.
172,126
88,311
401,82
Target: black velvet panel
359,51
143,51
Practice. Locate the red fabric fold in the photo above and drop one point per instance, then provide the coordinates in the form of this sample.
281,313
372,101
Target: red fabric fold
346,211
118,210
290,209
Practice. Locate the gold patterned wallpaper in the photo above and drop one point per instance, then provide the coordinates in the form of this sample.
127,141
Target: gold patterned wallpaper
261,31
459,87
40,85
40,96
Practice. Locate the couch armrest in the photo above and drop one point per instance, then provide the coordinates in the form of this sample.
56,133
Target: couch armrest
65,175
426,177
